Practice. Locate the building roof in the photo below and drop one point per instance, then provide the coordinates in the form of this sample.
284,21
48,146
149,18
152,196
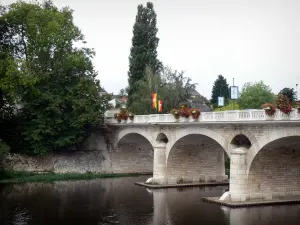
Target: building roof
193,92
203,107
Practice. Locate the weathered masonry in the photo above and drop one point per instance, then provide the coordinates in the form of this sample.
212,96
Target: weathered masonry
264,152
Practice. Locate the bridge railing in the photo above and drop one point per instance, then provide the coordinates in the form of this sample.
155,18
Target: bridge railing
226,116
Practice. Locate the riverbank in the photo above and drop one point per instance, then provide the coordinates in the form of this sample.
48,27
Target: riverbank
24,177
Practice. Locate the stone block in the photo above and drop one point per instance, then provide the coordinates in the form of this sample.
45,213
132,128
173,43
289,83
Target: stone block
267,196
235,197
256,196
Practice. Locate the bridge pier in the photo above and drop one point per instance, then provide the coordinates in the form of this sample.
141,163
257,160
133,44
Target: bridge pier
238,175
159,163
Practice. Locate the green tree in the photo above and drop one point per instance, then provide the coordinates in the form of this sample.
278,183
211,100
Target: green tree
220,89
143,52
290,93
253,95
173,88
53,81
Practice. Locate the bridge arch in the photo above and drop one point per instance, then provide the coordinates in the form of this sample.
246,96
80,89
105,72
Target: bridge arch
133,152
274,171
180,133
196,155
133,130
252,139
268,138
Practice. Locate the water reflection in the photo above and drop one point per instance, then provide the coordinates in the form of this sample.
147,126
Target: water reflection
119,201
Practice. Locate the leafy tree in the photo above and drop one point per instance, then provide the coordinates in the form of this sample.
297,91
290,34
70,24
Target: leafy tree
253,95
290,93
172,88
220,89
143,52
53,81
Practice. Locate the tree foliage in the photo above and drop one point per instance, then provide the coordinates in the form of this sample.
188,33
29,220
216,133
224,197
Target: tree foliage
173,88
220,89
231,106
53,81
290,93
253,95
143,52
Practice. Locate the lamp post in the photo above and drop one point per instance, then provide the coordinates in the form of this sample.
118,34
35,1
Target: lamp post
297,92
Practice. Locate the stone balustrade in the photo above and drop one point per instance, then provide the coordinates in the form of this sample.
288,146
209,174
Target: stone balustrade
224,116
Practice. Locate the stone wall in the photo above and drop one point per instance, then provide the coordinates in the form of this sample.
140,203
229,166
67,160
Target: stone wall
134,154
196,158
275,171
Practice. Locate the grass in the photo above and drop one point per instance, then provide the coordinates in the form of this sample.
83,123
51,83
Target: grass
48,177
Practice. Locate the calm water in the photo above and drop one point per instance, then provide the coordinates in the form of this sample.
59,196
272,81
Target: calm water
119,201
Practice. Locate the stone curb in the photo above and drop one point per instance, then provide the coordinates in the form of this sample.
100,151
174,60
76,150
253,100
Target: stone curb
180,185
251,203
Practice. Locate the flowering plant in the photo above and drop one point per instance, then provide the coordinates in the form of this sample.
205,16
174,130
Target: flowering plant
122,115
117,117
131,116
269,109
184,111
195,113
175,113
283,103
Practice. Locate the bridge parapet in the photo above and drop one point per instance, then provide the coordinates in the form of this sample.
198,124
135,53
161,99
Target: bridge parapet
224,116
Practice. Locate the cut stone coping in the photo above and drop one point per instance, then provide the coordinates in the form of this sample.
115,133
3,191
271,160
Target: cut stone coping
253,203
157,186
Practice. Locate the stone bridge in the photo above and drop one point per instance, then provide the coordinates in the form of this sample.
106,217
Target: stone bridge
264,151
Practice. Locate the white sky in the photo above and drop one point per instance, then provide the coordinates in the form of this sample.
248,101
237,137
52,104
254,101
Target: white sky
249,40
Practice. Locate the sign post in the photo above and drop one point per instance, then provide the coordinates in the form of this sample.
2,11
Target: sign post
220,101
234,93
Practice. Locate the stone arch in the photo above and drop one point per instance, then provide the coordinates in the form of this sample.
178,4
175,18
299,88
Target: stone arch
268,138
133,152
244,133
194,156
162,138
133,130
180,133
274,172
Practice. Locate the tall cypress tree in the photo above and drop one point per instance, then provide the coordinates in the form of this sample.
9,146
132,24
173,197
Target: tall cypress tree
143,52
220,89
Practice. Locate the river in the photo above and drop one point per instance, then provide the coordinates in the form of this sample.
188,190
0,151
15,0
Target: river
119,201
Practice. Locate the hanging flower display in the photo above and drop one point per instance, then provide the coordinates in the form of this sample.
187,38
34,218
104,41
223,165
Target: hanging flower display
184,111
283,104
122,115
194,113
175,113
269,109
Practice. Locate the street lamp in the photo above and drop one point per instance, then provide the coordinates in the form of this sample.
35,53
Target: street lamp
297,92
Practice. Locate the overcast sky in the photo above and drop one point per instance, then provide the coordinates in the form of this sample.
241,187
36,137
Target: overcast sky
249,40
